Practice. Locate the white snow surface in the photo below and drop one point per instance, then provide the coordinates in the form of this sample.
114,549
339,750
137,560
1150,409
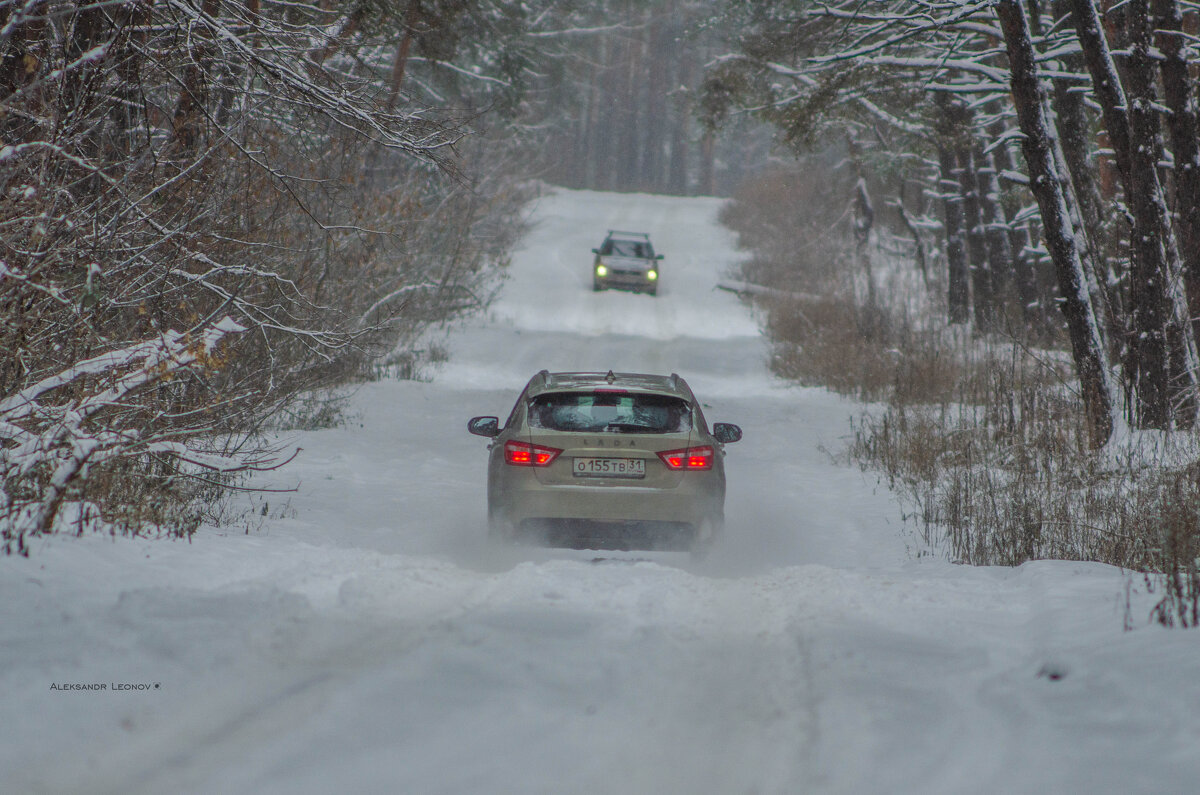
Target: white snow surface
363,637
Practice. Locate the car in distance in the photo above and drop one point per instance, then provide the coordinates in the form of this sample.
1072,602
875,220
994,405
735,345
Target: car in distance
606,461
626,260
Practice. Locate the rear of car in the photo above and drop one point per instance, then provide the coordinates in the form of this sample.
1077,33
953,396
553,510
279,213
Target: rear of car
609,462
626,260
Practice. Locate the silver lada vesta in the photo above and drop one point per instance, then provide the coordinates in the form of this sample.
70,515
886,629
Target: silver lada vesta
606,461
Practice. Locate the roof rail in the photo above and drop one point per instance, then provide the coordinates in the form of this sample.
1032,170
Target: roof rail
674,381
612,232
545,376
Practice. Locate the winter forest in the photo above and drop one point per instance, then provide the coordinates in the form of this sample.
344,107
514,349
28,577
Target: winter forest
981,217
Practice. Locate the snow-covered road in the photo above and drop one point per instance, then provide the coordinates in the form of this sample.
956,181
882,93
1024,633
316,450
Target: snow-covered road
362,637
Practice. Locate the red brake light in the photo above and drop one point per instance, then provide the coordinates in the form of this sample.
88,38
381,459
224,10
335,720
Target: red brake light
688,458
520,454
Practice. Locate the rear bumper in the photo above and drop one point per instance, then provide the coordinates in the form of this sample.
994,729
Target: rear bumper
520,498
611,504
588,534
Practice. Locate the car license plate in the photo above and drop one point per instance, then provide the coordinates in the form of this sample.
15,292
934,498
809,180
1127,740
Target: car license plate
610,467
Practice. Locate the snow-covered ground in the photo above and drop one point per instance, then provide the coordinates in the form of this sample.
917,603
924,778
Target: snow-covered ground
362,637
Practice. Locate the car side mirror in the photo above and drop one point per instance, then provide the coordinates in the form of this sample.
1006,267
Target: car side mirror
726,432
660,256
484,426
595,251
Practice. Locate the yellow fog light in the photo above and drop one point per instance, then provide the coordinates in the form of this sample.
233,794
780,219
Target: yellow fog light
601,270
651,275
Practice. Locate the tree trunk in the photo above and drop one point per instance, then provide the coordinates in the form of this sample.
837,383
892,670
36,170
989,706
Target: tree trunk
677,179
958,296
1029,100
185,124
1075,139
995,234
1162,353
910,225
1150,271
983,297
233,88
1179,96
707,183
627,107
400,64
656,106
23,55
588,154
1106,84
124,115
348,29
1034,307
864,219
604,129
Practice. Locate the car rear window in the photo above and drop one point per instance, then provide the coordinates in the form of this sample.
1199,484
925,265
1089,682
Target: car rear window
608,412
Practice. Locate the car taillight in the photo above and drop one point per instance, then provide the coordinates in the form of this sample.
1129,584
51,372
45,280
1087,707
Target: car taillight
688,458
520,454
